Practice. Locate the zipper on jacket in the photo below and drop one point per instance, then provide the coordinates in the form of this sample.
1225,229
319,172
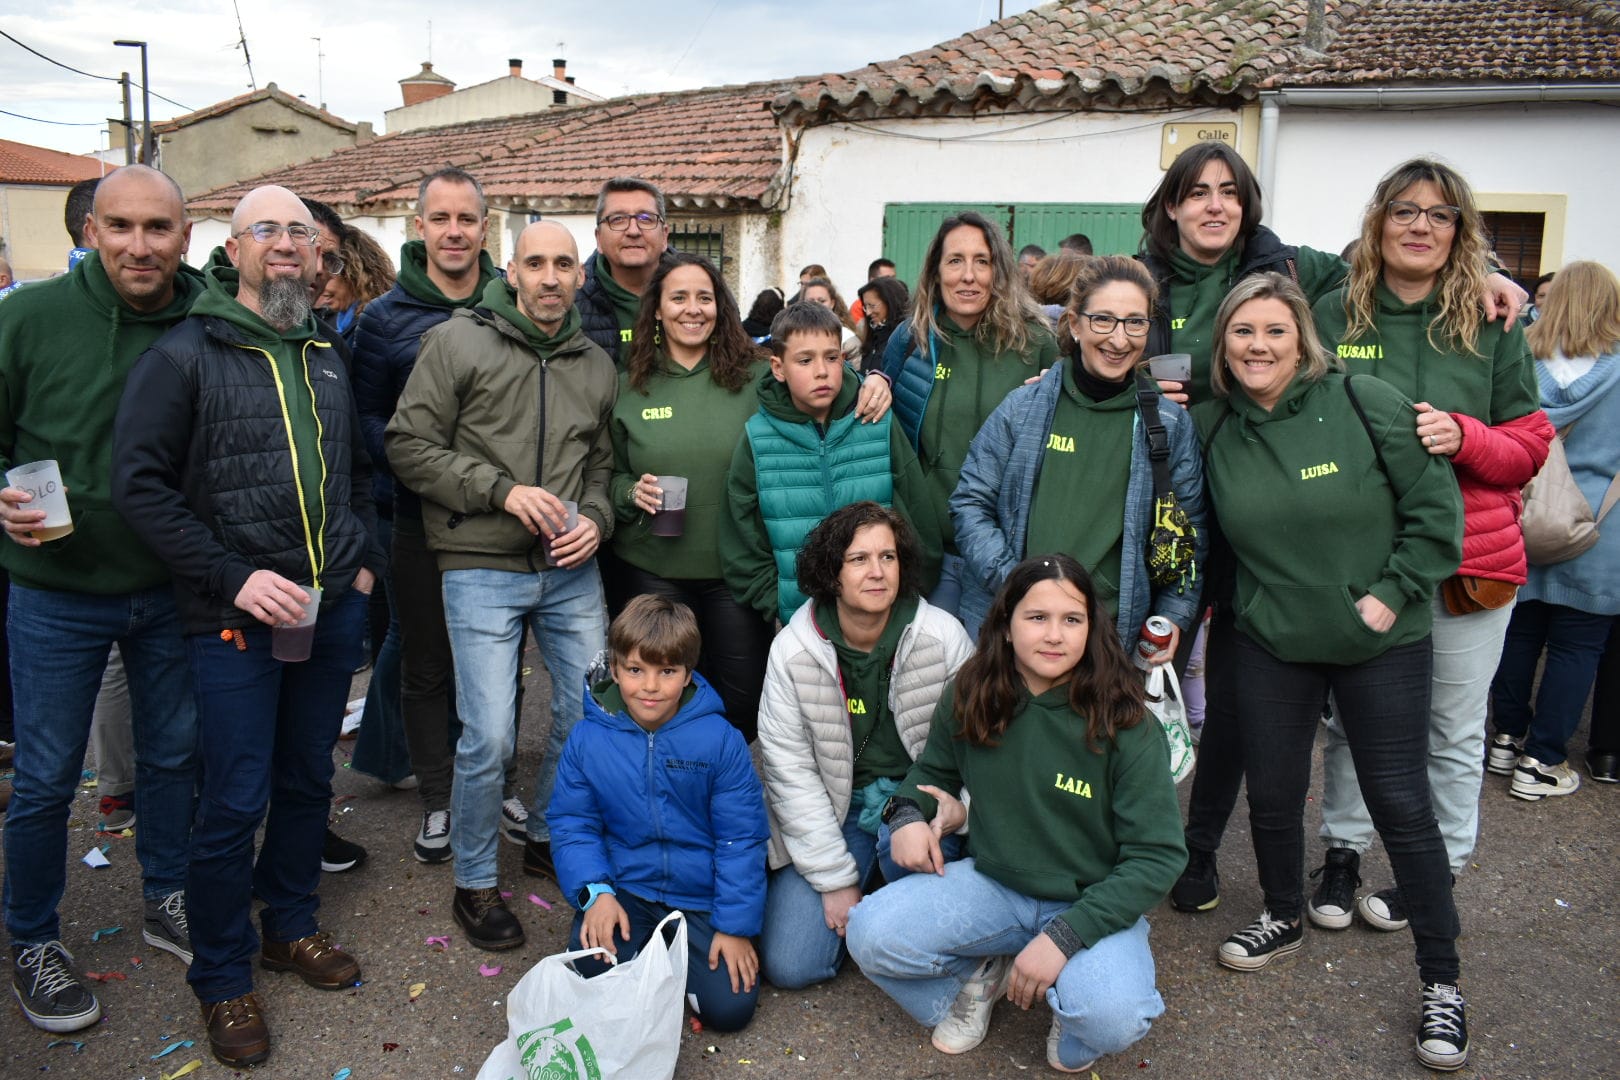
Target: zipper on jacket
316,564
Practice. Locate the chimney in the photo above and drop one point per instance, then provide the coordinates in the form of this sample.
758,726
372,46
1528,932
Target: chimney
515,68
425,85
559,69
1316,32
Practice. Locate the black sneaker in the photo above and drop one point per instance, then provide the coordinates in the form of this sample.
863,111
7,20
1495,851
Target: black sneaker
50,992
485,918
1334,902
1259,943
537,859
1199,886
1442,1039
433,842
338,854
1383,910
166,927
514,821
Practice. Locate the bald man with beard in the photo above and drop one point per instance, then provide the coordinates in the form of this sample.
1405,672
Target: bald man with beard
241,462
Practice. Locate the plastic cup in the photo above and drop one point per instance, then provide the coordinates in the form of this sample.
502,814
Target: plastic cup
292,643
569,526
43,480
671,517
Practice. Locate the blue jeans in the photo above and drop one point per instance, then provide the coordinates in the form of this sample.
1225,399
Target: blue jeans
920,938
485,611
947,595
380,750
716,1005
267,733
1574,642
796,949
951,848
59,645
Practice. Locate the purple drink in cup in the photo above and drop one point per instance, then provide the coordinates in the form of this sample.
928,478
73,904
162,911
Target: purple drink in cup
671,517
569,526
293,643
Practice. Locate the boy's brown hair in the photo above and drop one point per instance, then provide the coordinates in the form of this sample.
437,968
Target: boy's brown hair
664,631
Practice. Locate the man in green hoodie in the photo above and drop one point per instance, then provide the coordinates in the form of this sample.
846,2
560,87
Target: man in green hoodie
66,348
503,421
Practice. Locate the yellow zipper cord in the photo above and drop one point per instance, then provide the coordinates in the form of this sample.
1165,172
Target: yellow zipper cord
320,451
315,565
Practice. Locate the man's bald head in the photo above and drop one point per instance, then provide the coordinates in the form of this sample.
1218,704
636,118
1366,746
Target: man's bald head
273,274
258,202
141,175
545,272
138,226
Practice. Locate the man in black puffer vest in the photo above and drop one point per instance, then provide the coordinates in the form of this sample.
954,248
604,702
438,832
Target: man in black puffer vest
239,461
632,235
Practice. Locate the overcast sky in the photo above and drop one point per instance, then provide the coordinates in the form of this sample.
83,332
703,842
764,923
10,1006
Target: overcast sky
612,47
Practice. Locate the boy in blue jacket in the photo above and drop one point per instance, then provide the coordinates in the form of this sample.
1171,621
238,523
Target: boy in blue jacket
657,807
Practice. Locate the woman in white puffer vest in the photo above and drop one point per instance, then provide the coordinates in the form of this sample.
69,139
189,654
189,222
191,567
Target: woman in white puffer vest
850,691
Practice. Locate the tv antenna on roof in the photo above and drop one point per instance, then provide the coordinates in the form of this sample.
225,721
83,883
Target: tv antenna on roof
241,43
320,72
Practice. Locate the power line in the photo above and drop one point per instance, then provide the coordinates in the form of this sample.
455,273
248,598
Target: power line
88,74
59,123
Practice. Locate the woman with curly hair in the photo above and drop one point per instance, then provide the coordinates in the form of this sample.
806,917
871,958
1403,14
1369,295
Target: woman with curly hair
366,273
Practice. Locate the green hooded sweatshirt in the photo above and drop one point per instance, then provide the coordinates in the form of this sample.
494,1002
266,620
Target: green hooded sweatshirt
413,277
1315,523
66,347
501,298
880,754
626,305
285,353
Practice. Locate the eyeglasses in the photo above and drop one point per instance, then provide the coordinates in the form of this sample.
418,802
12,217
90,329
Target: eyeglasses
621,222
1135,326
268,232
1440,217
332,263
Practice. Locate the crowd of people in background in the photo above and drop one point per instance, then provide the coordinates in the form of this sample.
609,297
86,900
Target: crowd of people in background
912,555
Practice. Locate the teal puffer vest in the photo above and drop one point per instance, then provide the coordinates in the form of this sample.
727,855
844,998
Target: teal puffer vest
802,477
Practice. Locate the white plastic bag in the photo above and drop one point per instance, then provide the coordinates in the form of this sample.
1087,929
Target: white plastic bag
624,1023
1171,711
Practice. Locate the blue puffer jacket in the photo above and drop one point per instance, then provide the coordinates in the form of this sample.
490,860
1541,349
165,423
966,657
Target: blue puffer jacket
990,507
912,376
676,815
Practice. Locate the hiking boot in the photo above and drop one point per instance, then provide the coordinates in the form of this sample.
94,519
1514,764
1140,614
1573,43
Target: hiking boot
117,813
316,960
1334,901
1053,1036
338,854
1503,754
1533,781
966,1025
166,927
237,1033
50,992
1259,943
488,922
514,821
1199,886
1442,1039
433,842
537,859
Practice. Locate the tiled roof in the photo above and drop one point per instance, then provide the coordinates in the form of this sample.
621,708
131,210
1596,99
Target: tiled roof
1073,55
1412,42
271,92
24,164
703,148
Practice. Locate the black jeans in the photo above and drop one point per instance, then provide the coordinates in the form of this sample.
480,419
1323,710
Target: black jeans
736,641
1605,733
1383,705
1220,746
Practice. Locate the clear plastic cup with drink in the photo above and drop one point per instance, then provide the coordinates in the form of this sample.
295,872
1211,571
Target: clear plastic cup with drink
292,643
671,517
43,481
569,525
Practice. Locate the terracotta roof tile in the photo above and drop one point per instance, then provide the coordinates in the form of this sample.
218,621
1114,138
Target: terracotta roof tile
21,163
700,147
271,92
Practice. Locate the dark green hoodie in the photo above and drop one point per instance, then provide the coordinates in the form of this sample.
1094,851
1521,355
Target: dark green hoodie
66,346
501,298
1315,523
413,277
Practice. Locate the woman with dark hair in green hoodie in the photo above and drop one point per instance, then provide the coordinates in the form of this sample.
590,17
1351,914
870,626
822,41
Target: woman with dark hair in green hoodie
1341,525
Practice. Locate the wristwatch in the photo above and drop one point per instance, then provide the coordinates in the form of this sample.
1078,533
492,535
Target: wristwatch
588,894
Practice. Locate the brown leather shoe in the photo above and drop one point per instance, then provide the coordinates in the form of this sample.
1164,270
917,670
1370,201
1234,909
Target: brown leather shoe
237,1033
318,962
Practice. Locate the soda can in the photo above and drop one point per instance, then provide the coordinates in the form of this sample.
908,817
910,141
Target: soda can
1156,635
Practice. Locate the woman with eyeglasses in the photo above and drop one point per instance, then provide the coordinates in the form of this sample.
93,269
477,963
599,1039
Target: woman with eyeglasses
360,272
1410,315
1062,465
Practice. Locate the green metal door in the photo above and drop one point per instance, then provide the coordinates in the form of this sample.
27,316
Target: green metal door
1114,228
909,227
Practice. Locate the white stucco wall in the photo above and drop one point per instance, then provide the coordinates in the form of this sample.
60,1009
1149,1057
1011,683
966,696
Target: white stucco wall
1328,162
845,173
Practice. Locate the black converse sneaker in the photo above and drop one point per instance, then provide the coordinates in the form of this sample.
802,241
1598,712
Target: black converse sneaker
49,990
166,927
1442,1039
1199,886
1383,910
1261,942
1334,901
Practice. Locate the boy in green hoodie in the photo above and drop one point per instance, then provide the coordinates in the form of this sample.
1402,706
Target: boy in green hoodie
803,455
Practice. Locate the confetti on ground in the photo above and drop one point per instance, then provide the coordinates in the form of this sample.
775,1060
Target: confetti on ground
533,899
135,962
489,972
78,1047
442,941
106,976
96,858
342,1074
505,894
697,1025
106,932
185,1070
744,1061
183,1044
417,989
389,1047
1561,903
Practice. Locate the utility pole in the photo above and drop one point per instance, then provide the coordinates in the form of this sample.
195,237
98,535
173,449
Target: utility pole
129,123
320,72
148,143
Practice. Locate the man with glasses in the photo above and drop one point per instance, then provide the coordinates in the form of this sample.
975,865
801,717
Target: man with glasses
239,459
66,346
632,235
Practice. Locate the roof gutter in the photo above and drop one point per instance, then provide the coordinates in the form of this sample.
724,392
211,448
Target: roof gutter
1407,97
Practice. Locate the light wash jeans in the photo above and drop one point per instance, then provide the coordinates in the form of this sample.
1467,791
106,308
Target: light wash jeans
112,731
485,611
922,937
1467,649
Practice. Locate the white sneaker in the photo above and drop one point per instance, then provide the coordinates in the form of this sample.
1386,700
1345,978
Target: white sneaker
1533,781
433,842
969,1019
1052,1038
1503,754
514,821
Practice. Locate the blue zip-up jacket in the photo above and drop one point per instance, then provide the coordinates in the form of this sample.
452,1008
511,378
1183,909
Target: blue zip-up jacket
675,815
990,507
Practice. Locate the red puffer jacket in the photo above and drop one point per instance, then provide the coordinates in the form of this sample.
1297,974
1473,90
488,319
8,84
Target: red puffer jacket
1493,464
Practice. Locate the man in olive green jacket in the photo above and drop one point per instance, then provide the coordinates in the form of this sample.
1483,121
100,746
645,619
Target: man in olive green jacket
502,424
